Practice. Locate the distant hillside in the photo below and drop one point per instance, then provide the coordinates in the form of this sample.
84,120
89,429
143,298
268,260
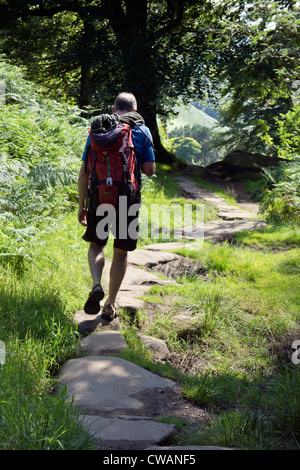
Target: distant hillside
188,116
209,109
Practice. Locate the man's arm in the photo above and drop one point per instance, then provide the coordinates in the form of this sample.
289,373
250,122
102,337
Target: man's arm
82,186
148,168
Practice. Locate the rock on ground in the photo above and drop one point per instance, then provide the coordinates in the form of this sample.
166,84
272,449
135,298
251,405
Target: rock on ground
104,384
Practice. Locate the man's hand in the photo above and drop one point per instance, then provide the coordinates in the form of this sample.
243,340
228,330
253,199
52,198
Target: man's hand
82,213
148,168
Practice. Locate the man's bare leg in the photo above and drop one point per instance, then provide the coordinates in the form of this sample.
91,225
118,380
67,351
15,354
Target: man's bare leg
96,262
117,273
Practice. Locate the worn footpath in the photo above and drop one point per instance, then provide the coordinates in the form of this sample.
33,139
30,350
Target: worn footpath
122,403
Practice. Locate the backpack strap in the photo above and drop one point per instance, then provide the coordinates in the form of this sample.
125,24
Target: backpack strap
132,122
93,180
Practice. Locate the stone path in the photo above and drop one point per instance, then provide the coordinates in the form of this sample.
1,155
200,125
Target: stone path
121,402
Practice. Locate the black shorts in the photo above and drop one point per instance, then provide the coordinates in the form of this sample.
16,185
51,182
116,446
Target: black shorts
122,222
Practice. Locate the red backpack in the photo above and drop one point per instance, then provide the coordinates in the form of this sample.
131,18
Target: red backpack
114,170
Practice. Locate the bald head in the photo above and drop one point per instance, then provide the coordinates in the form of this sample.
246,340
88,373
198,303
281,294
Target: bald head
124,103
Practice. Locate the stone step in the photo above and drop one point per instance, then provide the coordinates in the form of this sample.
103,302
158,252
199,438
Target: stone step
87,324
217,229
112,394
110,386
103,343
127,433
112,342
102,384
226,211
147,258
164,246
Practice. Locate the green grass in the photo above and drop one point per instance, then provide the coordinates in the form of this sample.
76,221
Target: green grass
243,323
271,238
163,191
226,194
36,308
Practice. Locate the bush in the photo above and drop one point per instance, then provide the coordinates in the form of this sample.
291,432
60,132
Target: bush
281,203
41,146
186,148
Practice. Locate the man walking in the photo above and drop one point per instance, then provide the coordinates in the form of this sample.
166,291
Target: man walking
125,105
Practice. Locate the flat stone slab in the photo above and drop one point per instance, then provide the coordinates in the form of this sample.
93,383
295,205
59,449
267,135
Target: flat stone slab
235,214
101,383
122,433
112,342
220,227
136,282
225,210
87,324
217,229
192,189
148,258
134,276
106,342
165,246
139,277
128,302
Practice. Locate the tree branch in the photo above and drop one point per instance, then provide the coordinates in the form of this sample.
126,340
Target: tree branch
12,11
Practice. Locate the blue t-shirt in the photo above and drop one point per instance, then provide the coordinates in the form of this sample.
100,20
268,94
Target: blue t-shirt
143,148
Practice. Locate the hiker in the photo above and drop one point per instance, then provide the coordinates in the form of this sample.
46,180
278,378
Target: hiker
103,127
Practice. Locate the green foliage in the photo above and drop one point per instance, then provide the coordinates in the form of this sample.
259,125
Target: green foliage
88,53
257,64
193,116
42,141
186,148
284,237
281,203
39,338
242,311
203,154
209,390
41,145
289,133
272,423
248,53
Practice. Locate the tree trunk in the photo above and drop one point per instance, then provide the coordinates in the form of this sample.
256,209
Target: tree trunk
139,69
161,154
85,98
